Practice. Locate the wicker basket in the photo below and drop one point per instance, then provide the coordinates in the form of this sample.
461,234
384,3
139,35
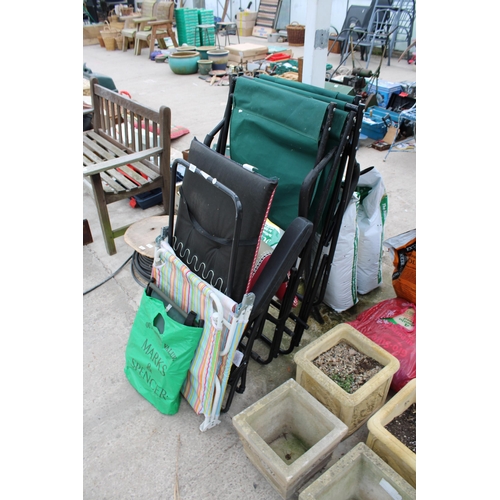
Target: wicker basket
119,41
108,35
110,43
296,34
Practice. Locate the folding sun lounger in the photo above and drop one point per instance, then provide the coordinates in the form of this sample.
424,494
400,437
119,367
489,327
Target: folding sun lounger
306,137
204,262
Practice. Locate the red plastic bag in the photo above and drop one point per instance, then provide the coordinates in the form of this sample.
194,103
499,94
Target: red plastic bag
392,325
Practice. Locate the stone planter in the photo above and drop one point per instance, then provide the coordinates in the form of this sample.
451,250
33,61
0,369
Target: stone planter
353,409
288,436
390,449
359,474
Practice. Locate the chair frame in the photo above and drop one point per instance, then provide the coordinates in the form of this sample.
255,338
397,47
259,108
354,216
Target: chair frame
159,28
127,153
282,261
133,23
315,281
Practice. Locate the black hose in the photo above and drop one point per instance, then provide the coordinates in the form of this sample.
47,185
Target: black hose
109,277
141,267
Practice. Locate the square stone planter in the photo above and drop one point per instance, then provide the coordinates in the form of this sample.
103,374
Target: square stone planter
353,409
390,449
288,436
359,474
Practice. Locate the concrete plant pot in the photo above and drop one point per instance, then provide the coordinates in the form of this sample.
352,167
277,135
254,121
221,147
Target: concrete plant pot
288,436
353,409
390,449
359,474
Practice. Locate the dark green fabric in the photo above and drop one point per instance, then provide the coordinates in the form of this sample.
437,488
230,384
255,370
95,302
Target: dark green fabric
318,91
158,355
275,126
277,131
340,115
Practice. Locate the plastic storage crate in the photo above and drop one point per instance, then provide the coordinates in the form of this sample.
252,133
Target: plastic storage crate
186,22
385,89
206,16
376,121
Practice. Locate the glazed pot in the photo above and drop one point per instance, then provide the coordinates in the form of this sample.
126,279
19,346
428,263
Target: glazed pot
183,48
204,66
184,62
218,56
204,49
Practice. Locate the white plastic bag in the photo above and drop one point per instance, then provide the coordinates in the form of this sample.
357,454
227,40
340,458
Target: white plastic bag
341,290
372,214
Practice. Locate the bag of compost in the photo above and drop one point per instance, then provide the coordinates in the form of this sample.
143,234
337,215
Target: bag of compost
371,221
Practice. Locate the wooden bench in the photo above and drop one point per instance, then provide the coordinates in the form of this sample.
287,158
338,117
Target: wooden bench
127,153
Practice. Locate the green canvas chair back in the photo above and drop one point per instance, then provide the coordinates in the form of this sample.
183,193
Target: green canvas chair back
276,127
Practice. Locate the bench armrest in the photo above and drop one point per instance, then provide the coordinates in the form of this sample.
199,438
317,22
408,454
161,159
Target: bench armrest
122,160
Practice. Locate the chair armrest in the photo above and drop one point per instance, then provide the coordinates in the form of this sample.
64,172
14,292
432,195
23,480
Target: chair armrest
139,20
159,22
122,160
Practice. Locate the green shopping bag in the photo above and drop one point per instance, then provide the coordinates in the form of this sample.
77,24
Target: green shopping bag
158,354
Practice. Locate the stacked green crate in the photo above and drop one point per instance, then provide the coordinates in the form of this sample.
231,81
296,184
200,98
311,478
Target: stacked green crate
206,16
186,21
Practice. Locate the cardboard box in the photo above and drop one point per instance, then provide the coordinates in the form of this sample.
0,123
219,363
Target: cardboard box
91,32
245,28
245,24
247,50
244,59
245,31
262,31
246,15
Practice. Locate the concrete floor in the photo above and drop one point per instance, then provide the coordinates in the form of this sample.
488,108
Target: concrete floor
130,450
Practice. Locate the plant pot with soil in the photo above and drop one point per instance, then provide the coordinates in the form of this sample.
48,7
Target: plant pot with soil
369,379
398,449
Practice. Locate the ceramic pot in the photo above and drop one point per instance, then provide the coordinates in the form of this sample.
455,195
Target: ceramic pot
183,48
184,62
218,56
204,49
204,66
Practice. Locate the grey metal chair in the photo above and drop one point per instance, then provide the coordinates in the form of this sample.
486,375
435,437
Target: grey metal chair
357,17
387,26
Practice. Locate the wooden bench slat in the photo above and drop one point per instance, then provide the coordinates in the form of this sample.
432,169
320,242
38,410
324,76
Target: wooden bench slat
113,186
145,170
118,162
132,173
